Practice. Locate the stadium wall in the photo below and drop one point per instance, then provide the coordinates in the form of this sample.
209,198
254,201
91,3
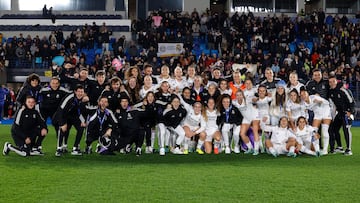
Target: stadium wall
200,5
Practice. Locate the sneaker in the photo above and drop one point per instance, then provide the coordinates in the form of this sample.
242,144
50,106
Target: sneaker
178,151
291,154
128,148
138,151
36,151
323,152
255,153
87,150
216,150
59,152
64,149
348,152
76,152
339,150
199,151
249,151
149,150
262,150
122,151
237,149
97,148
274,154
162,151
6,149
227,150
186,151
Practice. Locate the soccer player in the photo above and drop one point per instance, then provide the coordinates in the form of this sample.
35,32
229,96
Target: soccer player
277,106
307,137
322,115
194,124
100,123
229,119
282,140
250,118
71,112
294,108
96,87
173,115
28,130
212,129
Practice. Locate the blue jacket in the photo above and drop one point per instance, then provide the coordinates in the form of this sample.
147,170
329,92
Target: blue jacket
3,93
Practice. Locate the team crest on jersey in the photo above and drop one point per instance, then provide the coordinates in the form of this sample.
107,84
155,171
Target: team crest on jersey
57,96
323,86
339,96
34,116
48,95
26,116
129,116
232,112
173,116
180,115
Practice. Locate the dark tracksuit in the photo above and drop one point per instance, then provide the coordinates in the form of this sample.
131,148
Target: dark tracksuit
50,101
113,98
129,124
28,90
232,116
71,112
344,102
27,124
95,90
98,123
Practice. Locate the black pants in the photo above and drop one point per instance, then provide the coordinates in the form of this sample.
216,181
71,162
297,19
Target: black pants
130,136
340,120
63,136
19,138
48,113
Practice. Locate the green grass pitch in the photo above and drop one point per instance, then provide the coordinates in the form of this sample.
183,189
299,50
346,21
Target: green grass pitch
177,178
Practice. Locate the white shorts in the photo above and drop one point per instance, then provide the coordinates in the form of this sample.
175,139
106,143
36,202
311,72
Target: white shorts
210,134
280,148
192,128
324,113
249,119
305,141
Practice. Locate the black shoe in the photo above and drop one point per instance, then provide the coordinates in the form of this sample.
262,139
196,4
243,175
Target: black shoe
59,152
88,150
76,152
128,149
348,152
339,150
138,151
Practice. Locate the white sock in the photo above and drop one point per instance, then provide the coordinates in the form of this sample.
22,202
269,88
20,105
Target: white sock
199,144
226,139
236,140
325,137
272,150
216,144
257,145
152,138
261,145
306,150
316,145
292,149
249,145
186,143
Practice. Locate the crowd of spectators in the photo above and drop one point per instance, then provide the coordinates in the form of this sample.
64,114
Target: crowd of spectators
285,44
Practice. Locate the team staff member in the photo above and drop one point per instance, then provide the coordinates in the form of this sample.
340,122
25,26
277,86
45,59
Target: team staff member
318,85
71,113
97,86
28,130
31,88
129,124
100,122
113,94
344,103
51,98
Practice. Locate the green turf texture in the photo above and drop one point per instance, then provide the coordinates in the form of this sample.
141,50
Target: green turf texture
177,178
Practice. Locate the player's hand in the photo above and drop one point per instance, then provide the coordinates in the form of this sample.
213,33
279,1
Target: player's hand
83,125
145,102
264,119
255,99
43,132
76,75
63,128
28,140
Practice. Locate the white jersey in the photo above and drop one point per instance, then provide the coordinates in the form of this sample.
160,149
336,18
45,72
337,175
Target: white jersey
227,91
190,82
263,105
174,83
250,94
247,110
160,80
195,122
296,109
307,132
211,119
318,107
144,91
279,135
297,87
